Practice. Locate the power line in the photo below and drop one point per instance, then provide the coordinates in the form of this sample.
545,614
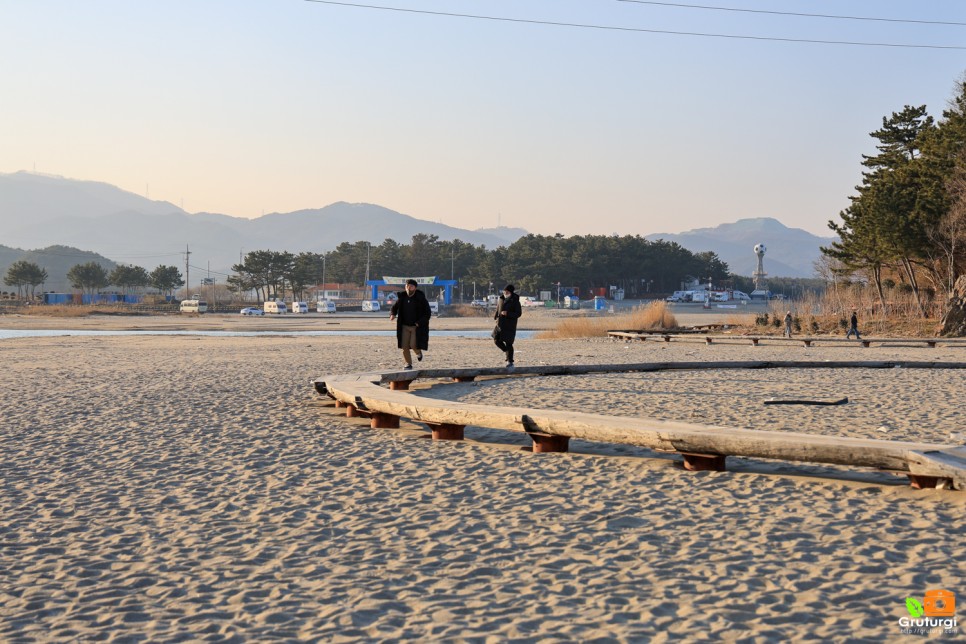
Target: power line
208,270
803,15
634,29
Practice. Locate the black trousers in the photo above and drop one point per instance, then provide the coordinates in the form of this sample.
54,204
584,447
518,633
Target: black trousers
506,347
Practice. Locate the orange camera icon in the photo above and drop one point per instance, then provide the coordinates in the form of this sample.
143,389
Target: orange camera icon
939,603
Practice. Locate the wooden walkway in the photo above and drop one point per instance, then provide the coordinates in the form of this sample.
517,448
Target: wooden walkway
383,397
755,340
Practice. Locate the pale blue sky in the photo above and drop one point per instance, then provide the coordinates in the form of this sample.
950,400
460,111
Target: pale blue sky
247,107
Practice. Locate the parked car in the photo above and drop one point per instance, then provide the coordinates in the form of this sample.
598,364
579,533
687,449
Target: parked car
434,307
325,306
480,303
370,305
300,307
251,310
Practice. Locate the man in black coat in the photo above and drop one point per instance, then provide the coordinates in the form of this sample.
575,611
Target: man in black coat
508,311
853,327
411,312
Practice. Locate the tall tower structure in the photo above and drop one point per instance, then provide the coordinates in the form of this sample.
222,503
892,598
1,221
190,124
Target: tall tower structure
760,274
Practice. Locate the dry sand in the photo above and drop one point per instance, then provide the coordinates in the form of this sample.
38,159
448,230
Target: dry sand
186,488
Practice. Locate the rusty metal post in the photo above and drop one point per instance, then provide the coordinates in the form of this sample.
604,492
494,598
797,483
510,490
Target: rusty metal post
380,420
546,443
446,431
920,482
704,462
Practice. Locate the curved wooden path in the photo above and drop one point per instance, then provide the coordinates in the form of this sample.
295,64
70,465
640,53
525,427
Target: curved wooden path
383,397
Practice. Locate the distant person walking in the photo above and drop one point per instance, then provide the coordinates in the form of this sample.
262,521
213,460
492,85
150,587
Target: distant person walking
411,312
508,311
788,324
853,327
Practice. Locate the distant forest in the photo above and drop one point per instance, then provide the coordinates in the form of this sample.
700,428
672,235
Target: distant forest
532,263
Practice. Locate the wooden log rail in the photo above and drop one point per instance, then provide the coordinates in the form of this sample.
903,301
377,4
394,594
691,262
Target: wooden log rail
755,340
702,446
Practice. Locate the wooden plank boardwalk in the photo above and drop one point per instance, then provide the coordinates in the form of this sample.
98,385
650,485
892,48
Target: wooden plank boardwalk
755,340
384,398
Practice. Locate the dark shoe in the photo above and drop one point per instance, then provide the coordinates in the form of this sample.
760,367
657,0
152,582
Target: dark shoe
420,357
408,366
509,366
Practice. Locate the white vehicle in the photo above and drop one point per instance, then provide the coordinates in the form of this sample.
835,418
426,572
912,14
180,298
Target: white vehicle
325,306
275,307
434,307
300,307
527,300
679,296
194,306
698,296
741,296
370,305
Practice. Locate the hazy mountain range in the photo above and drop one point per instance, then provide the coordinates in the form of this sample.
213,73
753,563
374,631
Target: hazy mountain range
40,211
790,252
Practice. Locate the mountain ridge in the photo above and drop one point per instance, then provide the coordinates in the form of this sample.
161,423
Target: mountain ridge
37,211
41,211
734,242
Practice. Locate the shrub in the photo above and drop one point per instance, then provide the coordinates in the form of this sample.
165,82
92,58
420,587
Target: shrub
653,317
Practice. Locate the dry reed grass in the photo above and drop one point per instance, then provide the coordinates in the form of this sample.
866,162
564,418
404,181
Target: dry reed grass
57,311
653,317
79,311
828,314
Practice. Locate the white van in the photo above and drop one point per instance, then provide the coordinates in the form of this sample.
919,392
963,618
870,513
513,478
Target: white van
325,306
370,305
194,306
275,307
300,307
434,307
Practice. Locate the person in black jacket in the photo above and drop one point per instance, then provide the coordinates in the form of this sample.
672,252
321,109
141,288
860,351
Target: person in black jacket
411,312
853,327
508,311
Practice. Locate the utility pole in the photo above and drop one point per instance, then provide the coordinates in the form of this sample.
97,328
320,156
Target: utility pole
368,248
187,274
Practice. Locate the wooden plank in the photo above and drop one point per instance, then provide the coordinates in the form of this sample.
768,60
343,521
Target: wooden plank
667,336
947,463
364,392
656,434
802,401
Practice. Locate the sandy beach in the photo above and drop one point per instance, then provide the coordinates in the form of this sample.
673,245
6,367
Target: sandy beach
193,488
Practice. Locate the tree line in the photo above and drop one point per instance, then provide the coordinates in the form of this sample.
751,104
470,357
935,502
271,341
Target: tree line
906,224
532,263
91,277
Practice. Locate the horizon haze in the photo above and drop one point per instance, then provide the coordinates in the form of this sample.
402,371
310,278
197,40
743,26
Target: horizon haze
557,117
